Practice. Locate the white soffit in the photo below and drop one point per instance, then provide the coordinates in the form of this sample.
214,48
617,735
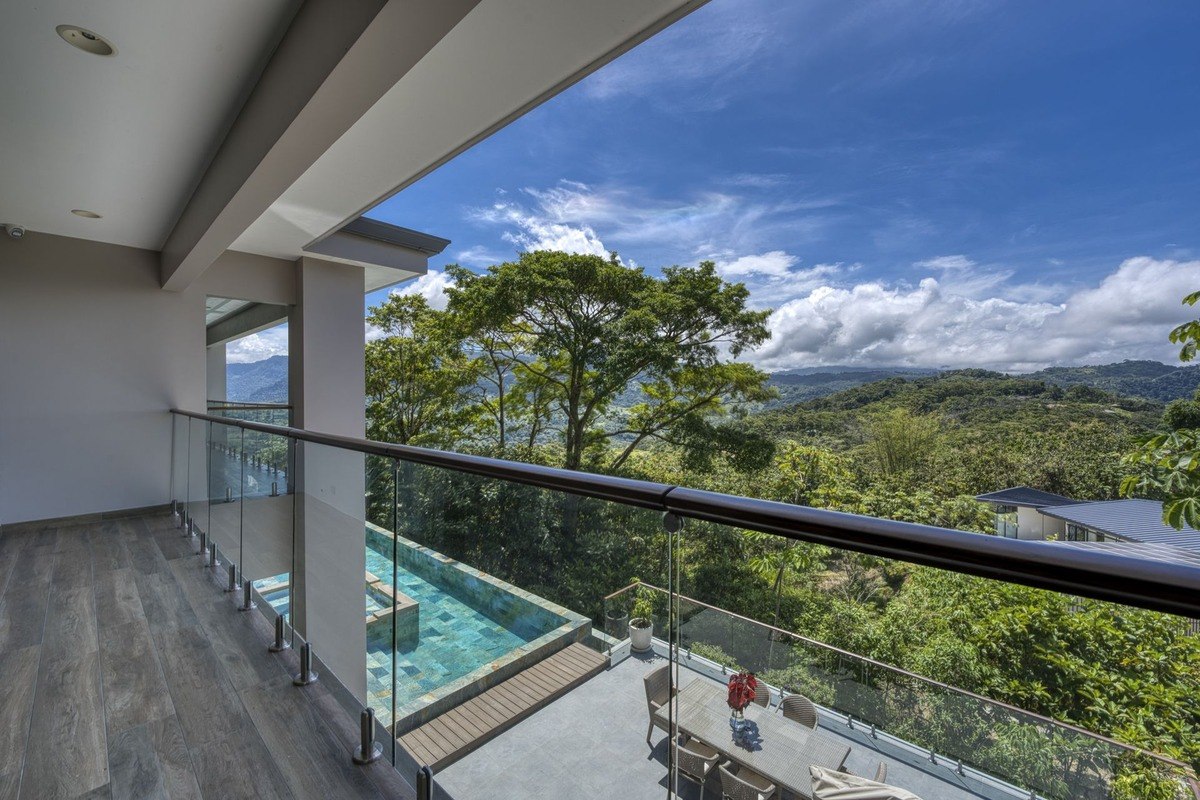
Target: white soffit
126,136
504,58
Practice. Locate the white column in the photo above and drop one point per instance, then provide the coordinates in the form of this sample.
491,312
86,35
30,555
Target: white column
327,377
215,373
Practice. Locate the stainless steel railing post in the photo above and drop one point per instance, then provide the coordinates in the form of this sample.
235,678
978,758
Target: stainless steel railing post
213,561
425,784
232,587
281,642
248,603
368,750
203,545
306,675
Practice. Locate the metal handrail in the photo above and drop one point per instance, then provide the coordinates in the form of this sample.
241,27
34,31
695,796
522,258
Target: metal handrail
240,406
1186,768
1154,585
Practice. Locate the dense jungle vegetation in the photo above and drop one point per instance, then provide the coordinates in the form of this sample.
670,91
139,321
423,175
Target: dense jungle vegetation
583,363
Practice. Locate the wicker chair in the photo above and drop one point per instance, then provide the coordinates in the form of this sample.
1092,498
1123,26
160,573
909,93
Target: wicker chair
799,708
745,784
762,695
697,761
658,684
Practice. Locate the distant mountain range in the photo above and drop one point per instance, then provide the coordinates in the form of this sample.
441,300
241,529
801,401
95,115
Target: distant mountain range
266,381
263,381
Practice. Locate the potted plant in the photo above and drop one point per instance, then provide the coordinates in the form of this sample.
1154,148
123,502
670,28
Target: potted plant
616,621
641,621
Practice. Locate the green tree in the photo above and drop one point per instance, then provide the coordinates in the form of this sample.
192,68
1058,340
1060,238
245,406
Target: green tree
1167,466
901,441
581,331
416,375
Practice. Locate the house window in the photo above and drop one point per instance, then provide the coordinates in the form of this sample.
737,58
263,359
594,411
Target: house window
1006,521
1078,533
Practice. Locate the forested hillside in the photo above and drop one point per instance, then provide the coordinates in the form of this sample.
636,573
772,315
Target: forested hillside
263,381
581,362
1149,379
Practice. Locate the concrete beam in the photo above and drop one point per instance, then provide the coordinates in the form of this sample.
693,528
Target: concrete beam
337,59
250,319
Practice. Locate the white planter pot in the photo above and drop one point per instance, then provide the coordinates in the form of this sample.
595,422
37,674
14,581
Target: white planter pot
640,637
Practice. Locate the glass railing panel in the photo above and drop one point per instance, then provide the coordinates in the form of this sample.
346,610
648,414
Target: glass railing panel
328,597
179,467
267,519
937,739
390,617
508,582
197,475
226,461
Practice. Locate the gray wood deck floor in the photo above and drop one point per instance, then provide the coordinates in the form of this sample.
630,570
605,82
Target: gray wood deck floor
447,738
126,673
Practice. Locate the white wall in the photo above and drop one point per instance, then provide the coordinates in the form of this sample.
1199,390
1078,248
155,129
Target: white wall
327,375
92,355
215,370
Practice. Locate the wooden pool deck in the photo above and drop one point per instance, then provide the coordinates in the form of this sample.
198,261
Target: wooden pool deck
466,727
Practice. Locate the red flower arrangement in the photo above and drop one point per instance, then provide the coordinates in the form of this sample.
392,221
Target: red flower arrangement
741,690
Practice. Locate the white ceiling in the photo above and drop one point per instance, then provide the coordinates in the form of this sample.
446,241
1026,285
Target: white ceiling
505,57
126,136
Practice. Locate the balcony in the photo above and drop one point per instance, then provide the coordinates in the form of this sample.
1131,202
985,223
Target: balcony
436,621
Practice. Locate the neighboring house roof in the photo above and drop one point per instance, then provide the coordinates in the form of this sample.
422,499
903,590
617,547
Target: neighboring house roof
1025,496
1132,520
1153,552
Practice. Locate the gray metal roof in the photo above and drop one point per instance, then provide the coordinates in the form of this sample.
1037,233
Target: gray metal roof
1132,520
1025,496
1153,552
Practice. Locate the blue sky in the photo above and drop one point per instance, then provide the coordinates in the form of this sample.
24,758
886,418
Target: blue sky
1007,185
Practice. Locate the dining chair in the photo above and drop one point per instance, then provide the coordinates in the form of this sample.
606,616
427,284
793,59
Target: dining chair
697,761
762,695
740,783
799,708
658,684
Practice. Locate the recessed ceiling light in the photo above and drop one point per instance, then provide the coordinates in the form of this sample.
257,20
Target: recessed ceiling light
80,212
85,40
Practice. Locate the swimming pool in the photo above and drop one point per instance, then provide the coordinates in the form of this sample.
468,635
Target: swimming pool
453,631
471,630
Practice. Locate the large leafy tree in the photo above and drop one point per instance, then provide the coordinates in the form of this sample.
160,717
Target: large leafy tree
1167,466
606,355
417,375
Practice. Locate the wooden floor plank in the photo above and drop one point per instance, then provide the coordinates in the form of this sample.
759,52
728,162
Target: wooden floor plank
135,691
288,723
117,600
68,725
19,670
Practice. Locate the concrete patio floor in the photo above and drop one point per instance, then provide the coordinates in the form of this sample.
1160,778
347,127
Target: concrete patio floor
591,743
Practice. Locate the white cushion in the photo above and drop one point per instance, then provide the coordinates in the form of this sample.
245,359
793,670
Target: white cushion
831,785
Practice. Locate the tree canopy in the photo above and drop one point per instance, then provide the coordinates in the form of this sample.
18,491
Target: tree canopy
582,352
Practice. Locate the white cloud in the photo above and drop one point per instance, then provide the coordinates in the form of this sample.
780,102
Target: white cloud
944,263
579,218
775,263
704,56
258,346
432,286
938,323
480,256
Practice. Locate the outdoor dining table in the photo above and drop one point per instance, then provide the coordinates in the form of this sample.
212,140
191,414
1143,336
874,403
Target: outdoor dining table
781,751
